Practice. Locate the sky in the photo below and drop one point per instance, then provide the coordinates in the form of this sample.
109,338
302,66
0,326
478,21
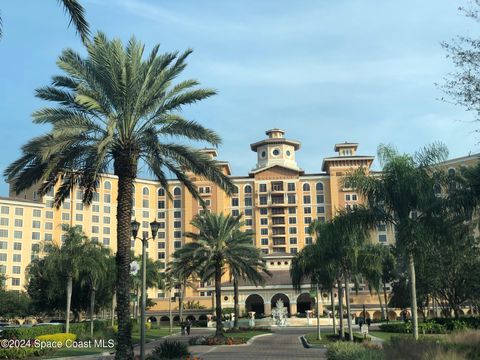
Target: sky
324,71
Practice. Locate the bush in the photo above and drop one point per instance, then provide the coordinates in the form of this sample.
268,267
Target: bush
21,352
393,328
200,323
197,340
59,337
169,350
351,351
452,324
401,348
30,332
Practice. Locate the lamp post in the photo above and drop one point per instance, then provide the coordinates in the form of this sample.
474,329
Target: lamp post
154,226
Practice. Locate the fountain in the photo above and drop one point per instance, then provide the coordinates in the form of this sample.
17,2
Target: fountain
279,314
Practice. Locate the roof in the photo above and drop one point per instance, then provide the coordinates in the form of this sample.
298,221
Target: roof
345,158
255,171
280,140
345,145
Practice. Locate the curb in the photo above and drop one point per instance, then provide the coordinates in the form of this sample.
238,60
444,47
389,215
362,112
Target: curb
307,345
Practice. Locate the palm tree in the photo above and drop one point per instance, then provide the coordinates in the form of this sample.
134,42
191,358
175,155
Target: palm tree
214,249
403,195
68,258
76,13
94,269
153,278
117,110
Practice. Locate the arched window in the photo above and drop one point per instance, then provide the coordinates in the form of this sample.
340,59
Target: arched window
451,172
177,191
161,192
437,189
235,189
107,185
248,189
145,191
306,187
319,186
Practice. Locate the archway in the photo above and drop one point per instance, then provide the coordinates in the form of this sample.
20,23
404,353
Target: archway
202,317
305,302
191,318
284,298
152,319
392,315
254,302
176,318
377,315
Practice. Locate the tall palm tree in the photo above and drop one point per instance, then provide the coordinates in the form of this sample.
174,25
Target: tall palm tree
67,258
153,278
94,272
117,110
76,12
403,195
216,248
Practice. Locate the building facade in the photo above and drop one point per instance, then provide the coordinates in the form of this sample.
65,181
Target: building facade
277,199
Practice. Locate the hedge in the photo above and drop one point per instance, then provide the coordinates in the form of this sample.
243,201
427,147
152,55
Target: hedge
59,337
350,351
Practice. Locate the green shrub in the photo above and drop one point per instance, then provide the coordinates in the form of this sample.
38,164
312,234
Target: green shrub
169,350
351,351
31,332
59,337
452,324
22,352
393,328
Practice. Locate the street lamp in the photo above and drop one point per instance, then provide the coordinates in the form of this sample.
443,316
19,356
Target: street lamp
154,226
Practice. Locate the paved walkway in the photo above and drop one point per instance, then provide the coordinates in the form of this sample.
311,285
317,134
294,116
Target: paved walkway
282,344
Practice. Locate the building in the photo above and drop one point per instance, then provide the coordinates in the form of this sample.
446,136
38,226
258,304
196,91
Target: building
277,198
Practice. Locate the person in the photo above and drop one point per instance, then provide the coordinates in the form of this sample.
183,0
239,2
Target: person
360,323
189,325
182,325
369,322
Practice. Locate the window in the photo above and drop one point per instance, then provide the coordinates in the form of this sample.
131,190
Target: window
264,241
106,241
106,209
161,204
264,231
307,220
3,245
49,214
265,251
235,212
17,258
78,217
66,205
17,234
382,227
177,203
15,281
161,245
177,234
320,199
106,198
3,233
79,206
95,229
95,218
96,197
162,225
94,239
177,244
18,211
161,235
96,208
347,197
354,197
161,215
291,187
263,211
307,210
292,220
37,213
145,203
306,187
65,216
321,219
263,200
319,186
107,185
248,212
292,230
293,240
308,240
248,189
292,210
291,199
106,230
49,203
79,195
307,199
320,209
382,238
177,191
177,224
5,210
248,222
264,221
3,270
234,201
48,226
293,250
16,269
161,255
48,237
3,257
35,235
248,201
262,188
145,191
4,221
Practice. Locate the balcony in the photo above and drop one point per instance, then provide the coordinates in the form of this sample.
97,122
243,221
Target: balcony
278,221
277,187
278,200
279,241
277,211
279,249
278,230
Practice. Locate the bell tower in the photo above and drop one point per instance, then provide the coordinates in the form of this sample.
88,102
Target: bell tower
276,150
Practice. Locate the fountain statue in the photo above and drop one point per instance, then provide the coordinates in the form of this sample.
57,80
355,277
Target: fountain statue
279,314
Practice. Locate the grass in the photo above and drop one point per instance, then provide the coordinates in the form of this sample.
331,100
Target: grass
387,336
246,335
75,352
153,334
327,338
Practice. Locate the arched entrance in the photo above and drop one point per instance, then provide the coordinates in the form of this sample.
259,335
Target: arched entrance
254,302
305,302
152,319
284,298
377,315
392,315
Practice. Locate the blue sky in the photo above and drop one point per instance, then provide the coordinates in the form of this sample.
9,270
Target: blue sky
325,71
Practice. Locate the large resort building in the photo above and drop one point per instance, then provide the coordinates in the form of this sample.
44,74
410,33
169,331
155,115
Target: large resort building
277,198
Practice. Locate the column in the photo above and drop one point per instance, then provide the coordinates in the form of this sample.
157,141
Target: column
268,309
293,308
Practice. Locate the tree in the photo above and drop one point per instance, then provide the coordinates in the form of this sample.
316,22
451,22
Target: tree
76,13
215,248
153,278
68,259
117,110
462,86
14,304
403,195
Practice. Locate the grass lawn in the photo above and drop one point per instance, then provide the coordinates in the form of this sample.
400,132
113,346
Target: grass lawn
327,338
74,352
153,334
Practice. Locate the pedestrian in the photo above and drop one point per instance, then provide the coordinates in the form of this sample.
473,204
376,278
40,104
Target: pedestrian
189,325
182,325
360,322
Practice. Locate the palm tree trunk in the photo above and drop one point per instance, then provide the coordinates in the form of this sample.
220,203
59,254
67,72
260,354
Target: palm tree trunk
69,301
236,306
319,336
113,309
218,301
386,301
411,270
332,300
340,309
349,315
381,305
180,300
125,167
92,309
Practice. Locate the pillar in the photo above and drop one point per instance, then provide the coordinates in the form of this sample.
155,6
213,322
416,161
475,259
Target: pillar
293,308
268,309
